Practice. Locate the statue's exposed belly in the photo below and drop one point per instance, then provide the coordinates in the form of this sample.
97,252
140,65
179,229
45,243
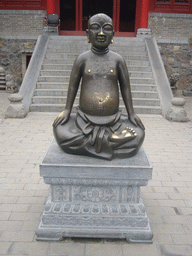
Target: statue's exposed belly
99,96
99,89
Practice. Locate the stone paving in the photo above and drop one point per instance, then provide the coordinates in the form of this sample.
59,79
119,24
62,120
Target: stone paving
168,196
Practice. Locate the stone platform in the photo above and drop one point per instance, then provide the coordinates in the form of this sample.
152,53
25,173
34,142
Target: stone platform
94,198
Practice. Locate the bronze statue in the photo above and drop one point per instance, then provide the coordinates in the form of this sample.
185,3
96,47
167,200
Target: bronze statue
98,128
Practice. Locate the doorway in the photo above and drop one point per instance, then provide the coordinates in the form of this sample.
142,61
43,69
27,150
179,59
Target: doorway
67,14
93,7
74,14
127,16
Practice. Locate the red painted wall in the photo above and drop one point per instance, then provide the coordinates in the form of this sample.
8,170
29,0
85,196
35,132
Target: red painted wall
154,6
23,4
170,7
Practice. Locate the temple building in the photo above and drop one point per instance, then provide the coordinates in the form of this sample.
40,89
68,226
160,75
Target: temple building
166,18
170,23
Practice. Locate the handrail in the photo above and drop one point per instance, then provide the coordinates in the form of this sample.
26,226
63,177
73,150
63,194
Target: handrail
31,76
160,76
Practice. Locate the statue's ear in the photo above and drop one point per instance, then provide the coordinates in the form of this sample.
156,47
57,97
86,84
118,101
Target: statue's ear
87,32
113,32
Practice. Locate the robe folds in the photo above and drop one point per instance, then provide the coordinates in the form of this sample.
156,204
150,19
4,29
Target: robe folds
91,135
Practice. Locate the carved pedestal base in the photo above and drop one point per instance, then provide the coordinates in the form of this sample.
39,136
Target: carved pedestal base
94,198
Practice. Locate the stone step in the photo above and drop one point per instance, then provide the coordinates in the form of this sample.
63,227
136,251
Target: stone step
55,73
65,79
60,107
63,93
68,49
69,67
57,67
75,52
67,73
139,74
76,40
82,41
70,62
72,44
52,85
131,56
62,100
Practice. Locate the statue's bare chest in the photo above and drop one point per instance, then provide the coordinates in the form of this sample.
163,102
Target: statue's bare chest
100,66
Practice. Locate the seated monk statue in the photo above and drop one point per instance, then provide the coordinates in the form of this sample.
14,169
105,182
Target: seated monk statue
98,128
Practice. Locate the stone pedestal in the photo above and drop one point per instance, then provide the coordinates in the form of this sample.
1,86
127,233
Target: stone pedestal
177,112
94,198
16,108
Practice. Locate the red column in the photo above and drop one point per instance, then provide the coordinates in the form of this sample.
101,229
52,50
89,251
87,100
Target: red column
50,7
144,13
116,15
79,14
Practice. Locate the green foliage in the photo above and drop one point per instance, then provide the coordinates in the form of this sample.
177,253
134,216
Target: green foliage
190,41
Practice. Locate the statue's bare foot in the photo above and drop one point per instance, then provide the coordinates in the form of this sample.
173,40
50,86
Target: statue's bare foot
125,136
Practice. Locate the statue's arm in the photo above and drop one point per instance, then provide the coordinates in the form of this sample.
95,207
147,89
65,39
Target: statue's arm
125,88
74,82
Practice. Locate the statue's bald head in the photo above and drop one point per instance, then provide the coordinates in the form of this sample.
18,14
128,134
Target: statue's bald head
100,17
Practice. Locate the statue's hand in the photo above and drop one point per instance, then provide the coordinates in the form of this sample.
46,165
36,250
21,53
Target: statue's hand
62,118
134,119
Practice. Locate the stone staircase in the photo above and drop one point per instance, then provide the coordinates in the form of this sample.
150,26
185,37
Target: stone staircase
51,89
2,78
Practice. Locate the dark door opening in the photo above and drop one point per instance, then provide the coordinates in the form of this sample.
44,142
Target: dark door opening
74,14
68,14
127,16
92,7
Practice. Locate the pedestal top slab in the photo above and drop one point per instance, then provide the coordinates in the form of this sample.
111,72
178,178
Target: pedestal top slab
57,164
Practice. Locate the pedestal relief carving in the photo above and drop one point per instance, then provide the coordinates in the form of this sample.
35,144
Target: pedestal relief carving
94,194
95,200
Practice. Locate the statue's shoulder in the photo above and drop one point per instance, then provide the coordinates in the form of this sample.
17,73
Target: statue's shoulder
84,55
116,56
81,59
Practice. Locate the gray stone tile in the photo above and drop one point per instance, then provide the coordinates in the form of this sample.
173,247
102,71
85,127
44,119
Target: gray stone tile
8,199
19,236
160,210
105,249
26,216
172,203
4,215
14,207
4,247
31,200
67,249
162,239
168,228
182,239
29,248
11,226
29,226
20,193
175,250
140,249
3,192
180,219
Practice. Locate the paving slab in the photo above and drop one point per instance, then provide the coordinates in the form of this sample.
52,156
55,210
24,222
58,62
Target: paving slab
23,144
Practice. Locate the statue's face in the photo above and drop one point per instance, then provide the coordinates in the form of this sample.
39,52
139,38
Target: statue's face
100,31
